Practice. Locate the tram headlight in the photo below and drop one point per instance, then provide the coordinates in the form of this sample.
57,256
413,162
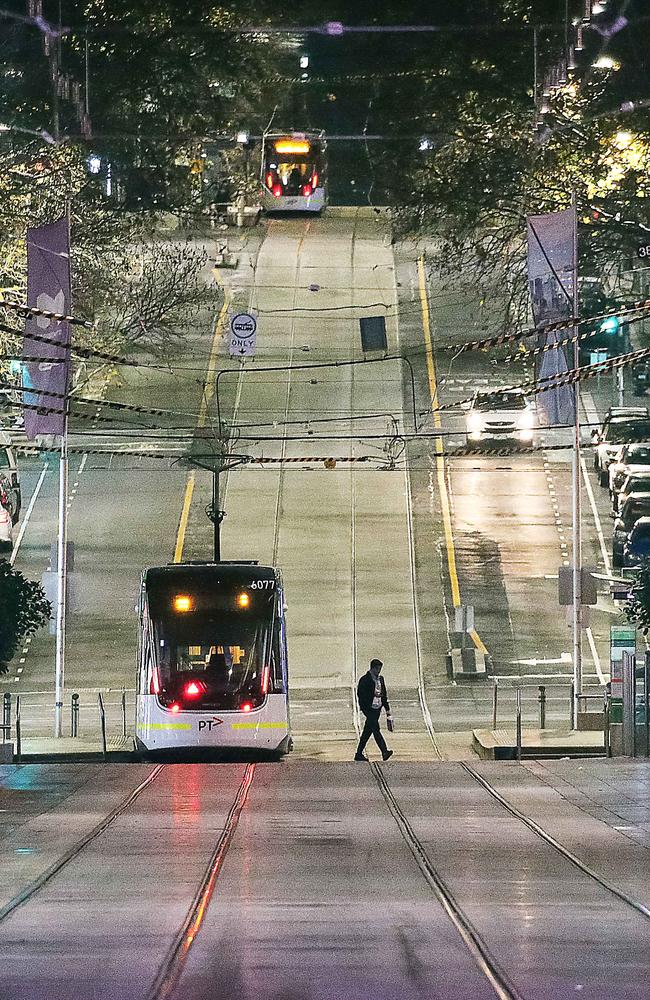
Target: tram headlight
243,600
183,603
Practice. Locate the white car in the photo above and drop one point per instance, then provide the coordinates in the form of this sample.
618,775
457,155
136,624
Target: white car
9,469
620,426
6,532
501,416
629,460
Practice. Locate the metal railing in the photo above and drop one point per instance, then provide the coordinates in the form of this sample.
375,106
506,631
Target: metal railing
521,682
33,717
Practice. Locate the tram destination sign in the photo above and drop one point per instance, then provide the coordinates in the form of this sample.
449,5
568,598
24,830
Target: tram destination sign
243,335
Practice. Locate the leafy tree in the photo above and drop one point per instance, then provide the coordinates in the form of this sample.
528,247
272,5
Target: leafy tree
23,610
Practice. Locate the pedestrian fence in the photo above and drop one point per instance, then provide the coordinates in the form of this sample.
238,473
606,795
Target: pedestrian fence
106,716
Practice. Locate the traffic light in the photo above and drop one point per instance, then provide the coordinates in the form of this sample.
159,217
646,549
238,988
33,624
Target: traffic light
610,326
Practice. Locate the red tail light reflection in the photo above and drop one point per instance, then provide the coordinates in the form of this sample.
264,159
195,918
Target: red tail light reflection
277,190
306,190
314,180
265,680
269,179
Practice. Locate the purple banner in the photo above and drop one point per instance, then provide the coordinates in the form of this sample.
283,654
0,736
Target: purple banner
550,283
48,287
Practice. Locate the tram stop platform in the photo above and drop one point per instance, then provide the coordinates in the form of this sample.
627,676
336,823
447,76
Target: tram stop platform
40,749
501,744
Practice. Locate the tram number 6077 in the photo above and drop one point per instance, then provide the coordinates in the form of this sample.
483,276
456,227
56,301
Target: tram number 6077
262,584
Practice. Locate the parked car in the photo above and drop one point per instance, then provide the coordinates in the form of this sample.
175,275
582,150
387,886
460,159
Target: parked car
639,482
619,427
641,378
630,459
637,544
6,522
9,468
636,505
506,416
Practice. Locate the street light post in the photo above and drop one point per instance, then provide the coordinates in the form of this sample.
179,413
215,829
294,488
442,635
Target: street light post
576,512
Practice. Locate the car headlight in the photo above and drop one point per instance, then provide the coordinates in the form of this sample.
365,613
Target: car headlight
474,423
526,420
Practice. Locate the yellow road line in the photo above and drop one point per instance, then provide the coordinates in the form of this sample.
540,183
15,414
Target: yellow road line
440,461
185,516
203,414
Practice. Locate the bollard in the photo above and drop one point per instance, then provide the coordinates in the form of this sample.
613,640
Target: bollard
542,706
572,707
19,735
102,722
519,724
74,715
495,700
123,713
607,740
6,716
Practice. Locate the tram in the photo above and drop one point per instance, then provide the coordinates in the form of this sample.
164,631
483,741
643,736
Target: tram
212,658
294,172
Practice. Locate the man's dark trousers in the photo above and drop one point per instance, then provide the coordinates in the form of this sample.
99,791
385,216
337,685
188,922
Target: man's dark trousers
371,728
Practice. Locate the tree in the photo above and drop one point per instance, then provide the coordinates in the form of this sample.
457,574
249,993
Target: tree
23,610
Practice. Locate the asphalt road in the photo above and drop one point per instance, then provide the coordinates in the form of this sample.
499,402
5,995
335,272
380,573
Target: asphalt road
363,547
316,881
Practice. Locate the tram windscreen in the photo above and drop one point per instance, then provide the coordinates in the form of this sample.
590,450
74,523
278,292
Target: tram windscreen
292,168
214,647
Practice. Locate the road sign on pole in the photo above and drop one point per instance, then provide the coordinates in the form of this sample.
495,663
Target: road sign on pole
243,335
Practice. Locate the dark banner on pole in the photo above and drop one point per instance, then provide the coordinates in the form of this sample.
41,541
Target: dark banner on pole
550,283
48,287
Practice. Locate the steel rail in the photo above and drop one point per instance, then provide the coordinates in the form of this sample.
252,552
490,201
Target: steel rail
41,880
568,855
171,970
498,979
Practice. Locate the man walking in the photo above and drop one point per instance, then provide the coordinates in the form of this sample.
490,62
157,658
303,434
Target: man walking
371,694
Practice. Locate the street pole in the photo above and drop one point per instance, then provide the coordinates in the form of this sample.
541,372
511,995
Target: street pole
59,675
576,525
216,522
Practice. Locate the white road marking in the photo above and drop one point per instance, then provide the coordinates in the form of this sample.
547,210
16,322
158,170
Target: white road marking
28,514
595,656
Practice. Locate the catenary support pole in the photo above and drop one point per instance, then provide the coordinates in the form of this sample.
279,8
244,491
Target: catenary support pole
59,675
576,506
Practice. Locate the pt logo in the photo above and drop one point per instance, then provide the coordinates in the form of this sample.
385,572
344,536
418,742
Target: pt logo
210,724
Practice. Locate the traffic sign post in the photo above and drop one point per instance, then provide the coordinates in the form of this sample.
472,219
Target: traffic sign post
243,335
622,641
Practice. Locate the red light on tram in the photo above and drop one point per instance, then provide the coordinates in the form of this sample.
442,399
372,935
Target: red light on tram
247,707
154,683
265,679
306,190
277,190
269,179
192,690
314,180
175,707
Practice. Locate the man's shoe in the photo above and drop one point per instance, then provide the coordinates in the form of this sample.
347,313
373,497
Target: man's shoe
361,756
387,755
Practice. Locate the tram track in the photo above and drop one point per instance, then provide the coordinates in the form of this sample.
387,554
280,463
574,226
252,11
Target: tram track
35,886
563,851
498,977
499,980
171,969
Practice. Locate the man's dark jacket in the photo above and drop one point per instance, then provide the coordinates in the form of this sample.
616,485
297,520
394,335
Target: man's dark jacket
366,693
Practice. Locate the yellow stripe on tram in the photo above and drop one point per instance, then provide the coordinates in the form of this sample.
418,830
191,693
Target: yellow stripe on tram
259,725
440,460
168,725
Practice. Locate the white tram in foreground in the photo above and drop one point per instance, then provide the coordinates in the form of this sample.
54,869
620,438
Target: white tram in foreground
294,172
212,658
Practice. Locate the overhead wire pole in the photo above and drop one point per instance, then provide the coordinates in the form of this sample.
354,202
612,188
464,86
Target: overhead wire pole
576,505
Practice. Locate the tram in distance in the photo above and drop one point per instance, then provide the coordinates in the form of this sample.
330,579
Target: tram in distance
212,659
294,172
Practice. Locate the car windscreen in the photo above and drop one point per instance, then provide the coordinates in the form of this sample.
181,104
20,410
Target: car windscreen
637,455
506,401
630,430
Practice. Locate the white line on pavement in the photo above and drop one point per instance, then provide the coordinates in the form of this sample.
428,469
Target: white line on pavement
28,514
595,656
